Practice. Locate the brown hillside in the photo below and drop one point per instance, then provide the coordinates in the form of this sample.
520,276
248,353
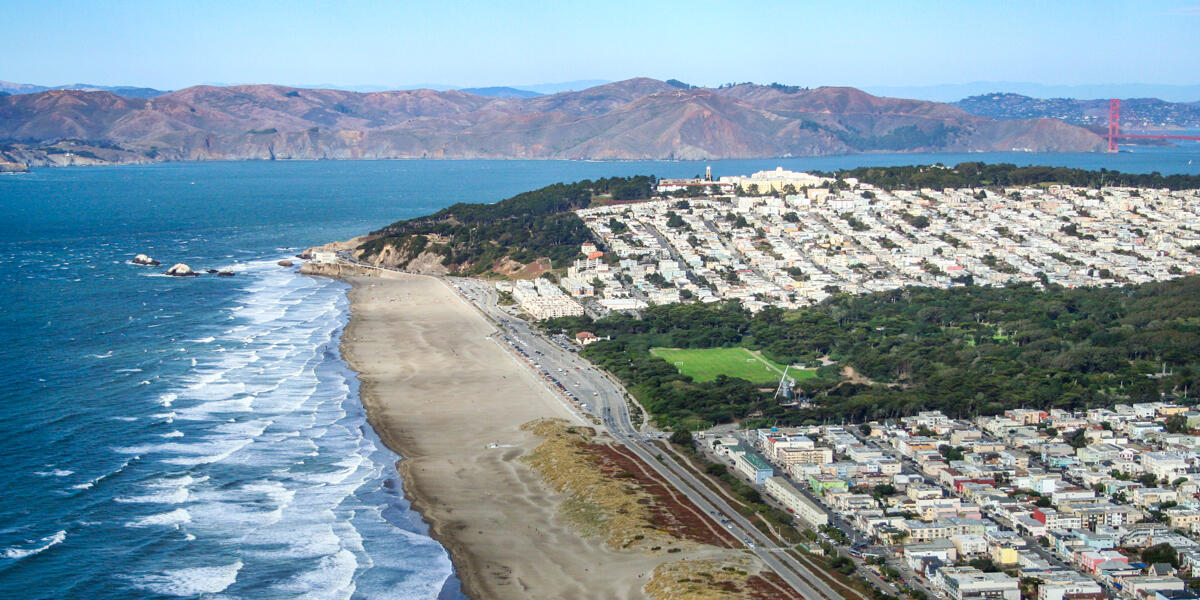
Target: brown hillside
638,118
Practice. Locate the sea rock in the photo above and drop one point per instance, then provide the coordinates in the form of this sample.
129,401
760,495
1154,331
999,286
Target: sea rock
181,270
142,259
211,271
284,263
225,274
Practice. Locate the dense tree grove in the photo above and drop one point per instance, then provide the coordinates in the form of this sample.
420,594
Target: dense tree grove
524,228
966,351
978,174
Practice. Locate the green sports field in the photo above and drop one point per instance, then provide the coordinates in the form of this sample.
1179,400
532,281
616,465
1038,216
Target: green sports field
708,363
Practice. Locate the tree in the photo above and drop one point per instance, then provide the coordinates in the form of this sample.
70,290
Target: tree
883,490
1043,502
1176,424
682,437
1161,553
950,452
984,564
1077,439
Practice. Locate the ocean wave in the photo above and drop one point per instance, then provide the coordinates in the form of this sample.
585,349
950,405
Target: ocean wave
105,355
54,473
44,544
175,517
175,496
87,485
333,577
192,581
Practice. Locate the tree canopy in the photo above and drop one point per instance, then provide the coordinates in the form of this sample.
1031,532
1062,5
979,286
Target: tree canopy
966,351
470,238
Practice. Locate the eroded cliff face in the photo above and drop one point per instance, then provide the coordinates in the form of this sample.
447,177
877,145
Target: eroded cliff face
635,119
425,263
336,270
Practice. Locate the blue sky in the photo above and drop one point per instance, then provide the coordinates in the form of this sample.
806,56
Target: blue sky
170,45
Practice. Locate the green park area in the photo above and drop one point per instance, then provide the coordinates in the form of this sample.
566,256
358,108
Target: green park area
706,364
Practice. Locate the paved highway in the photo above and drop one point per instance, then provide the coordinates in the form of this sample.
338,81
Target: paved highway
555,360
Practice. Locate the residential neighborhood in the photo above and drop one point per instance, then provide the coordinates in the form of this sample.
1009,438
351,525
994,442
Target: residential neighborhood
782,238
1047,504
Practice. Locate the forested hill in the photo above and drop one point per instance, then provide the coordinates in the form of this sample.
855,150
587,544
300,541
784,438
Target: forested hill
982,175
966,351
476,238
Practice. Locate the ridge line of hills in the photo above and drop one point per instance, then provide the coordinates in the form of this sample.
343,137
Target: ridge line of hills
639,118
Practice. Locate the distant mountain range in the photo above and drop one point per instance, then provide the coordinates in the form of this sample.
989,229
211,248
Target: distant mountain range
634,119
501,92
120,90
522,91
958,91
1138,113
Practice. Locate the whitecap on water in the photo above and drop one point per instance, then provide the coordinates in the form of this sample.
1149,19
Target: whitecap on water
36,546
176,517
174,496
54,473
192,581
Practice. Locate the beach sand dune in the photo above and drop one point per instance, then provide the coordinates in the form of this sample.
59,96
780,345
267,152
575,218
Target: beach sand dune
452,401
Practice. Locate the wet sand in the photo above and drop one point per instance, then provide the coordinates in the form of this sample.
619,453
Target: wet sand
451,401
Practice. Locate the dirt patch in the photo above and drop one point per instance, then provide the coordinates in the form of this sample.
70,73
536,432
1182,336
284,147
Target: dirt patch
716,580
670,510
511,268
769,586
599,504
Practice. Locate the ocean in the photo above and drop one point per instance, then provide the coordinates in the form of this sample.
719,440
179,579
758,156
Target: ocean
202,437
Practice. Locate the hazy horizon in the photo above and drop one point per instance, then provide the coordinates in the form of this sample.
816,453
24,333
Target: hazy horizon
867,45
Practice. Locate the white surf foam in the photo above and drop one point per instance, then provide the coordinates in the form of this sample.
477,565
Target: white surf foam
176,517
54,473
193,581
175,496
40,546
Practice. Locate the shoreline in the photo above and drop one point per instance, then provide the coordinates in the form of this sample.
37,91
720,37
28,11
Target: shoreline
445,396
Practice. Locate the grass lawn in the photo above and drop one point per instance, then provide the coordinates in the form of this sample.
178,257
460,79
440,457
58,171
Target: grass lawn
708,363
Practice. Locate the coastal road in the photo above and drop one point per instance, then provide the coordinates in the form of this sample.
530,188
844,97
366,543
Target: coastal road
555,360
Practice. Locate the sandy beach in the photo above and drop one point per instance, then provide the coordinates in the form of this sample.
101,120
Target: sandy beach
451,400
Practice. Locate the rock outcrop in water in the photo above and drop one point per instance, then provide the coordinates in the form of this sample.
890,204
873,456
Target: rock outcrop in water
181,270
284,263
142,259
